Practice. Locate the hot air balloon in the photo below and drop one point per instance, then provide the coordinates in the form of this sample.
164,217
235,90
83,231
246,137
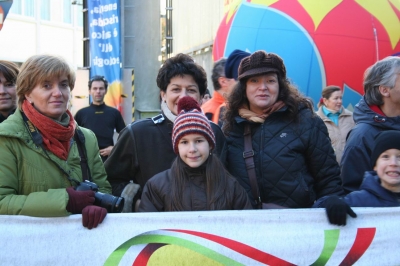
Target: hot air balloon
322,42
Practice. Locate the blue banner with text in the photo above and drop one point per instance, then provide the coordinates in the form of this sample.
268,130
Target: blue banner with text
105,46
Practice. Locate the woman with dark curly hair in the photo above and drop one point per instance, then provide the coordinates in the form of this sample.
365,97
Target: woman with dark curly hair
277,148
144,148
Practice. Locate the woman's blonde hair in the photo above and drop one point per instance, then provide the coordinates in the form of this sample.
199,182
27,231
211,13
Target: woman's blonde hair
40,68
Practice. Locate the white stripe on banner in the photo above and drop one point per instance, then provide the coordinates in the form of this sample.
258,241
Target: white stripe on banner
252,237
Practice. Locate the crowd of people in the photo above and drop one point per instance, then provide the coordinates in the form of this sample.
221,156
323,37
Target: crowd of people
257,143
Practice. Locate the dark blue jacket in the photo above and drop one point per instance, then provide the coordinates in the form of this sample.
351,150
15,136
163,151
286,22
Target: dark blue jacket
295,163
356,158
372,194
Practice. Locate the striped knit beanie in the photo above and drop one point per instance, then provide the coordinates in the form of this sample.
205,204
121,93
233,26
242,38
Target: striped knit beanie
191,120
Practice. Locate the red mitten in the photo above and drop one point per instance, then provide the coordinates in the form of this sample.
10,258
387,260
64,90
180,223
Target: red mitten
79,200
92,216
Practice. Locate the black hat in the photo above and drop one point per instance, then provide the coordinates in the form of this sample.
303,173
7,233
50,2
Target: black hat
261,62
232,63
384,141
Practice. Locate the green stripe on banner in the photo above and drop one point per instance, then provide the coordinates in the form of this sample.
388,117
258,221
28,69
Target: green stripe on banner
330,243
116,256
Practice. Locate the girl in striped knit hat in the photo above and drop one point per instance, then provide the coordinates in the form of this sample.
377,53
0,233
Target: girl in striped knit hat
197,180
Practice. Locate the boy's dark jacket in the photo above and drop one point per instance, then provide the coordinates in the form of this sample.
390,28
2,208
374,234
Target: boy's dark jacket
372,194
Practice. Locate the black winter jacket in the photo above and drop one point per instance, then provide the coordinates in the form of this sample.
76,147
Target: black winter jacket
356,158
144,149
294,160
157,195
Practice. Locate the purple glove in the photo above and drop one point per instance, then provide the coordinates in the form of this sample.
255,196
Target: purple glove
92,216
79,200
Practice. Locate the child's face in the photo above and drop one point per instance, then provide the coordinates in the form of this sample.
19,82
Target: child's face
194,149
388,168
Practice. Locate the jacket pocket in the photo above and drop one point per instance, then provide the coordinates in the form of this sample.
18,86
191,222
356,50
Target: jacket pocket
306,194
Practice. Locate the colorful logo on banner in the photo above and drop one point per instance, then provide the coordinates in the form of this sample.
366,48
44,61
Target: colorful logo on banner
105,46
322,42
184,247
4,8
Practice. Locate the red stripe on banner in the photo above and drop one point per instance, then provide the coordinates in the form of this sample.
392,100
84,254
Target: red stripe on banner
241,248
363,239
145,254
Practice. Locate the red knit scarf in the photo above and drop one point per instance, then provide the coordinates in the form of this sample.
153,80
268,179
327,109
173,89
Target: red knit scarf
56,138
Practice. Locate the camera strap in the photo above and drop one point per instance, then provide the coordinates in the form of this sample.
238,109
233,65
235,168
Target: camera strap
80,142
38,140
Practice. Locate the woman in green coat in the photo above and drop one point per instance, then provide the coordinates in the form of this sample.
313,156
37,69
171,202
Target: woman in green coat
39,158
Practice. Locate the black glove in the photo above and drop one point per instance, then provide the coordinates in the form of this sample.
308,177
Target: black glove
337,210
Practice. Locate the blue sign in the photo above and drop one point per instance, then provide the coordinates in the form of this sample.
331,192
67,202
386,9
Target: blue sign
105,45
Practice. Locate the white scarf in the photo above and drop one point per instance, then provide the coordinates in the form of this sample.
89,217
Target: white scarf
164,108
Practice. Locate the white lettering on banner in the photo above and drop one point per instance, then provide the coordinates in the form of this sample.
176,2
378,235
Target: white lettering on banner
104,22
101,35
106,47
251,237
101,62
104,8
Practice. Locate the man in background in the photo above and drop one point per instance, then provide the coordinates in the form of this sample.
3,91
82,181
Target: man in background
8,94
231,72
222,88
99,117
377,111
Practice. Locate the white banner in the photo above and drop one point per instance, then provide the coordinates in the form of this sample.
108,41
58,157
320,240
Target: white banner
255,237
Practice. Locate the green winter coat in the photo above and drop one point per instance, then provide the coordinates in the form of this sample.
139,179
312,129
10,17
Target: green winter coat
32,184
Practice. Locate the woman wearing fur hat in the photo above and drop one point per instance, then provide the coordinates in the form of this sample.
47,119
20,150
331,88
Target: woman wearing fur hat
144,148
286,157
197,180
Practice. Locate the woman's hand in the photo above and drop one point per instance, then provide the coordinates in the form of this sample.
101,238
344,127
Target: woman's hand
337,210
92,216
79,200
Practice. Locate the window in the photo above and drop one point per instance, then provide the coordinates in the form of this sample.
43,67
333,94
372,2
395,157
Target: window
45,10
56,11
29,8
67,12
23,7
79,15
